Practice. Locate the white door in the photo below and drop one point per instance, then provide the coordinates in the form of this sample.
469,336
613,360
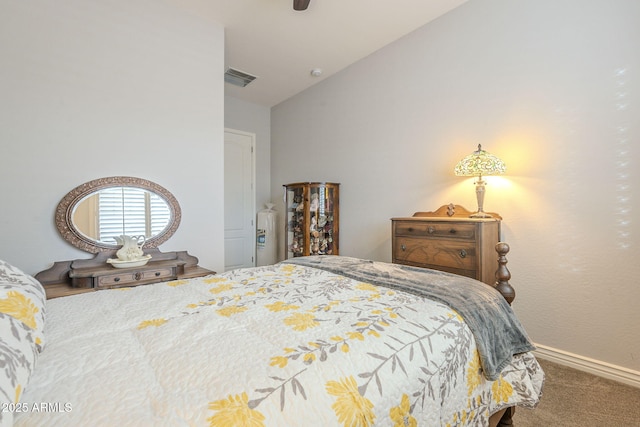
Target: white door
239,200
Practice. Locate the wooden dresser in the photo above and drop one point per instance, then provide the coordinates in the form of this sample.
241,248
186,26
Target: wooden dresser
448,240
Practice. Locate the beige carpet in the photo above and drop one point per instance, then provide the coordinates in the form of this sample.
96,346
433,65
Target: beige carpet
573,398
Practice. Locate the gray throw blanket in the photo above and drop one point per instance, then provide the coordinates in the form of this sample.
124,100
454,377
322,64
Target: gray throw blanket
497,332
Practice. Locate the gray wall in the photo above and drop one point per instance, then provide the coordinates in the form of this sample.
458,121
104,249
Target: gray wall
550,87
95,89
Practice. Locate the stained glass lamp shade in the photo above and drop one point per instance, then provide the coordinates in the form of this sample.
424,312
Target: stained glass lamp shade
480,163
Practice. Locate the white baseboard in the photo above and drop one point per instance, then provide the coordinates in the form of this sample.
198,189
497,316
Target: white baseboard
592,366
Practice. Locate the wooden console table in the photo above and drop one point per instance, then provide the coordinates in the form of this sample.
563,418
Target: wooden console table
79,276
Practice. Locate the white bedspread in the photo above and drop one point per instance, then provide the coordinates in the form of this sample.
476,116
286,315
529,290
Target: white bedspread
280,345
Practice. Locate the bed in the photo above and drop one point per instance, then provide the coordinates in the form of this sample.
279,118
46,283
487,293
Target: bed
312,341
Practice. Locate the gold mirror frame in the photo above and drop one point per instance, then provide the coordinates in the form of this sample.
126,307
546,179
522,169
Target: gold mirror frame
70,233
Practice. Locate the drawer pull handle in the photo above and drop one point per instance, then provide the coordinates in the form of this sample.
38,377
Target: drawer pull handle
116,279
453,231
403,247
137,276
157,273
431,230
463,253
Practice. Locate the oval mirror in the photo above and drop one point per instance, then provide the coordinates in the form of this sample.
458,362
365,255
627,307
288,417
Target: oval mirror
92,214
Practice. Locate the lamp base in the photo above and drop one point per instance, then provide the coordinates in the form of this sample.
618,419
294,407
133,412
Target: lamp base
480,215
480,196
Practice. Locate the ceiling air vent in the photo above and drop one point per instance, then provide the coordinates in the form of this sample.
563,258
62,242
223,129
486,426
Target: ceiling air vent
237,77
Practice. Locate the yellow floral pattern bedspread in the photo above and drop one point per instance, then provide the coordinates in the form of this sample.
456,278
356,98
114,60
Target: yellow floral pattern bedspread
281,345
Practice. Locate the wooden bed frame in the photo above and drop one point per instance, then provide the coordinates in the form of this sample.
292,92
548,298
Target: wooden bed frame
503,418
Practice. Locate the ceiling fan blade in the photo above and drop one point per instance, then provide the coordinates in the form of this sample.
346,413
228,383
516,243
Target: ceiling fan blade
300,4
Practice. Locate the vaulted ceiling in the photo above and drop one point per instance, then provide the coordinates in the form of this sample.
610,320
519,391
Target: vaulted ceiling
281,46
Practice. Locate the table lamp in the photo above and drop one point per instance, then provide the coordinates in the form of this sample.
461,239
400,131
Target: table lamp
480,163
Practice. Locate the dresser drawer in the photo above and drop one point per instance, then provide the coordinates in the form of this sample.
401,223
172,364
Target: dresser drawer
448,239
135,277
443,254
435,229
